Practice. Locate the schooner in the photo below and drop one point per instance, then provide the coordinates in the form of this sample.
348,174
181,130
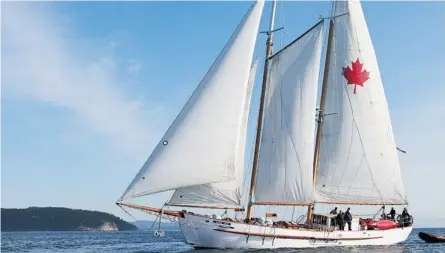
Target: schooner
340,153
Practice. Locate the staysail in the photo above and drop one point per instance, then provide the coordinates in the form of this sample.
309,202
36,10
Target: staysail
287,140
203,145
222,194
358,161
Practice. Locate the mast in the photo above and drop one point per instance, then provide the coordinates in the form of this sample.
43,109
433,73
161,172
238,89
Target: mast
261,111
321,111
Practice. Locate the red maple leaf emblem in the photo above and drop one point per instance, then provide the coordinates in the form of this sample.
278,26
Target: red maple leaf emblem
356,75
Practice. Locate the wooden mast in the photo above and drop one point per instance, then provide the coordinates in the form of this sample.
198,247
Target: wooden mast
261,111
321,112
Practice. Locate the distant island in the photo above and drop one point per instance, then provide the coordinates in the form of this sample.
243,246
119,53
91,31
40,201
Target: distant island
60,219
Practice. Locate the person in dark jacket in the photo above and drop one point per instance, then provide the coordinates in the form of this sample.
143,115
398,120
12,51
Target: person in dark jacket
392,213
405,212
384,216
348,218
334,219
339,220
405,217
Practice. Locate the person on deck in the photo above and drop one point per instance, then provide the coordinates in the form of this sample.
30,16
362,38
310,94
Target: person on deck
384,216
405,217
392,213
348,218
405,212
339,220
334,220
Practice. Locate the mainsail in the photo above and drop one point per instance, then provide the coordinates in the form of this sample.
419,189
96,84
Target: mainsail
222,194
358,157
205,143
287,140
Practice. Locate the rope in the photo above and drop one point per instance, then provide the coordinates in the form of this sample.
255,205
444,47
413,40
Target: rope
127,212
282,24
153,224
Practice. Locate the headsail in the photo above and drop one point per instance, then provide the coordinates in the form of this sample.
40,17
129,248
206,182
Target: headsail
223,194
202,145
358,156
287,140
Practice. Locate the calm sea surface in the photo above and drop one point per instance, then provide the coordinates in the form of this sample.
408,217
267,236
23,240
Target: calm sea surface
144,241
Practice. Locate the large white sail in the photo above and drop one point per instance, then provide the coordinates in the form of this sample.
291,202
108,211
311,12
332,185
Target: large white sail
202,144
358,156
222,194
287,143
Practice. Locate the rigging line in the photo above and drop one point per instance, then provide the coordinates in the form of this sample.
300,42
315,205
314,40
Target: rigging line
252,149
326,145
256,48
337,97
275,94
370,95
369,167
169,199
268,98
287,128
323,143
282,117
356,33
282,23
250,115
360,138
283,114
356,173
349,152
247,169
127,212
153,224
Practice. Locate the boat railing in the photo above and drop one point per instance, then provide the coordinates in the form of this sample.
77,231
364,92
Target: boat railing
405,221
301,219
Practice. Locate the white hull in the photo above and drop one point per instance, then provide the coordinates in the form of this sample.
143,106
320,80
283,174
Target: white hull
202,232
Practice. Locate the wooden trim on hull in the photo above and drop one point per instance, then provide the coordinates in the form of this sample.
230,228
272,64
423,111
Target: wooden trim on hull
152,209
297,237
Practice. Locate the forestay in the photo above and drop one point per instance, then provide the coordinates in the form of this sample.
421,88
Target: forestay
222,194
358,157
202,145
287,140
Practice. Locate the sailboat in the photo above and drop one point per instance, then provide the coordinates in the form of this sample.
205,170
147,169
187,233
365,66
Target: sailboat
341,152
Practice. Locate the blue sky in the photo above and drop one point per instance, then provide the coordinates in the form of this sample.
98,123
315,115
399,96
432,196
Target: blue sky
88,88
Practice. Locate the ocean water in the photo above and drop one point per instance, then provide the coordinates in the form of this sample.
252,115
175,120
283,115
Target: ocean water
145,242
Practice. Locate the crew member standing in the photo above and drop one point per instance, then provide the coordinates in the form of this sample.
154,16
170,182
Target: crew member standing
392,213
348,218
339,220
